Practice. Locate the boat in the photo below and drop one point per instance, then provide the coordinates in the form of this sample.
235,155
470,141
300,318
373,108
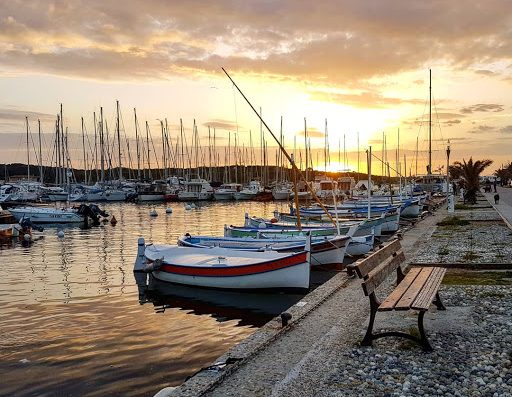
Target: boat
47,215
324,250
196,189
249,192
360,245
282,191
227,191
224,268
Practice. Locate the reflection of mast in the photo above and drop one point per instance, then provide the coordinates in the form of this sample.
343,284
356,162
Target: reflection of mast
430,123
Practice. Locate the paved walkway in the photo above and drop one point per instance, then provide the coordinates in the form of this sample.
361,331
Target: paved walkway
279,362
504,208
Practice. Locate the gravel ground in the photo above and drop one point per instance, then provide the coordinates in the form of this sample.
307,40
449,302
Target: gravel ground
474,362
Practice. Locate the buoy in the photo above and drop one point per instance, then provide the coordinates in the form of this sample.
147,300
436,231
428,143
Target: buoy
192,205
168,210
153,212
60,234
273,220
262,225
187,207
27,237
113,220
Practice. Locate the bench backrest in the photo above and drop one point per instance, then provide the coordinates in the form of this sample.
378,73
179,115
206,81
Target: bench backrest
375,268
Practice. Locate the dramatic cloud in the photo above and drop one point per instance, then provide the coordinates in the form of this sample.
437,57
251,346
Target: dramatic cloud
337,42
483,107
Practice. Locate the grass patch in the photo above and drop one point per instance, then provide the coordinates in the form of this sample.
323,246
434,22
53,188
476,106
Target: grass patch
478,278
469,256
463,207
453,221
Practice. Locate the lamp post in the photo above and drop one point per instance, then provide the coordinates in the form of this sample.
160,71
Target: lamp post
448,168
450,198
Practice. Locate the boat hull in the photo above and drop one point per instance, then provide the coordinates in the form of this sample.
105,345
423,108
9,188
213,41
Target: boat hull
214,268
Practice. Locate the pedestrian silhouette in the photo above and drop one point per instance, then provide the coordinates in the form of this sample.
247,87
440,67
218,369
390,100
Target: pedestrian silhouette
494,183
496,198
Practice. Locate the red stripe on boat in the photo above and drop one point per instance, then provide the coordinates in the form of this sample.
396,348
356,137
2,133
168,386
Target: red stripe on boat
229,271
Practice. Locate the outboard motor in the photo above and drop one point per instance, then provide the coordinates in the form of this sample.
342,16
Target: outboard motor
26,225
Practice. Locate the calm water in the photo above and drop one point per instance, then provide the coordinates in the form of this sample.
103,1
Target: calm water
75,322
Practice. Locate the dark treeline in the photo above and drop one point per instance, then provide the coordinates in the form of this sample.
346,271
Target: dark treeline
216,175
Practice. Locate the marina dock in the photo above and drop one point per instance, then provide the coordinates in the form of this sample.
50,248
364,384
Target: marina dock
318,352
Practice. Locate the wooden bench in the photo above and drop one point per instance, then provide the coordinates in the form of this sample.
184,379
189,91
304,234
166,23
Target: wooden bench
416,290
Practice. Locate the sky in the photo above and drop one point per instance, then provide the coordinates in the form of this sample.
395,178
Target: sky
361,68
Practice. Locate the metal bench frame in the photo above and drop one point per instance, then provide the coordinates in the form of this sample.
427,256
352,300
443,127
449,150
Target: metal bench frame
370,336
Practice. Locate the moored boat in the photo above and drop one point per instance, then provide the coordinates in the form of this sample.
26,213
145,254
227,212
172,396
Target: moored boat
224,268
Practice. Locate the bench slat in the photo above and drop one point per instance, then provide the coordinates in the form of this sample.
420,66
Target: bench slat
427,294
414,289
366,265
390,302
381,272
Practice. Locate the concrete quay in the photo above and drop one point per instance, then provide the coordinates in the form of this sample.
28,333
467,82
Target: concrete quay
318,353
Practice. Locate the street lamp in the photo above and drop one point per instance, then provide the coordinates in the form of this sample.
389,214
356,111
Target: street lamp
448,168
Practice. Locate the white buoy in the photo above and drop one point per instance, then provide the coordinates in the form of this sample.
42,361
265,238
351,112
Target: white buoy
187,207
153,212
27,237
60,234
262,225
168,210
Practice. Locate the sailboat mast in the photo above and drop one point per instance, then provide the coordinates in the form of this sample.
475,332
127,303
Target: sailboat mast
40,152
102,151
28,153
137,142
83,148
119,142
430,123
306,147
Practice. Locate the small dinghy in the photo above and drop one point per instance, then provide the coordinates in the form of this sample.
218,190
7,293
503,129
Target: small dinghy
225,268
324,250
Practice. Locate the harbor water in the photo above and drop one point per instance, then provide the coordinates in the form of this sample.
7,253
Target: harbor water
75,321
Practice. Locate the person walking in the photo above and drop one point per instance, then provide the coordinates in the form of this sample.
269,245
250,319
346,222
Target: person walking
496,198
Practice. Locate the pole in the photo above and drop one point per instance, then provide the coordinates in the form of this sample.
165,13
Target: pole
40,153
281,147
430,123
28,153
369,160
119,142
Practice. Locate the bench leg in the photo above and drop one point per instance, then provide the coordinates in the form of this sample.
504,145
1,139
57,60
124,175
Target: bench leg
424,341
439,303
367,340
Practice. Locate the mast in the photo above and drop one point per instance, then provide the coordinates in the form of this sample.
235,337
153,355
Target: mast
430,123
40,152
147,144
102,151
95,147
83,147
119,142
28,153
369,159
137,143
306,148
62,171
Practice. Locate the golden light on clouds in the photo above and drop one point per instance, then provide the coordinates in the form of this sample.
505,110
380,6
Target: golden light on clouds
363,66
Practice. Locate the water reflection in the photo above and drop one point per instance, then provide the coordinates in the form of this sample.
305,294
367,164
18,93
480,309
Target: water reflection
71,318
247,308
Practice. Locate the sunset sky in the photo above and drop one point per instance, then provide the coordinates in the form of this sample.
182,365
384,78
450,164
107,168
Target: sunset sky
362,65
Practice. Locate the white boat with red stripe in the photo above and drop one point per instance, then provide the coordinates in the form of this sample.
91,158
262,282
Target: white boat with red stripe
225,268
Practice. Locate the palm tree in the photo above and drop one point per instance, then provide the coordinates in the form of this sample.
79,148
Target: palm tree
469,174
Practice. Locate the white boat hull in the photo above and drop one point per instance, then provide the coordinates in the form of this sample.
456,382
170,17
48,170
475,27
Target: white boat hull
47,215
150,197
230,269
360,245
281,194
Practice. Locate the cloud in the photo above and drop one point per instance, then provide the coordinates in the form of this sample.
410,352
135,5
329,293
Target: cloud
485,72
19,115
312,133
482,129
452,122
222,124
506,130
338,43
364,99
483,107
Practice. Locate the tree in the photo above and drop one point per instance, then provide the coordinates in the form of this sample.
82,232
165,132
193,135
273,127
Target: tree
505,173
469,174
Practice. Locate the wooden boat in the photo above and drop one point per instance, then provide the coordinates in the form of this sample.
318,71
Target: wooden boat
47,215
225,268
324,250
